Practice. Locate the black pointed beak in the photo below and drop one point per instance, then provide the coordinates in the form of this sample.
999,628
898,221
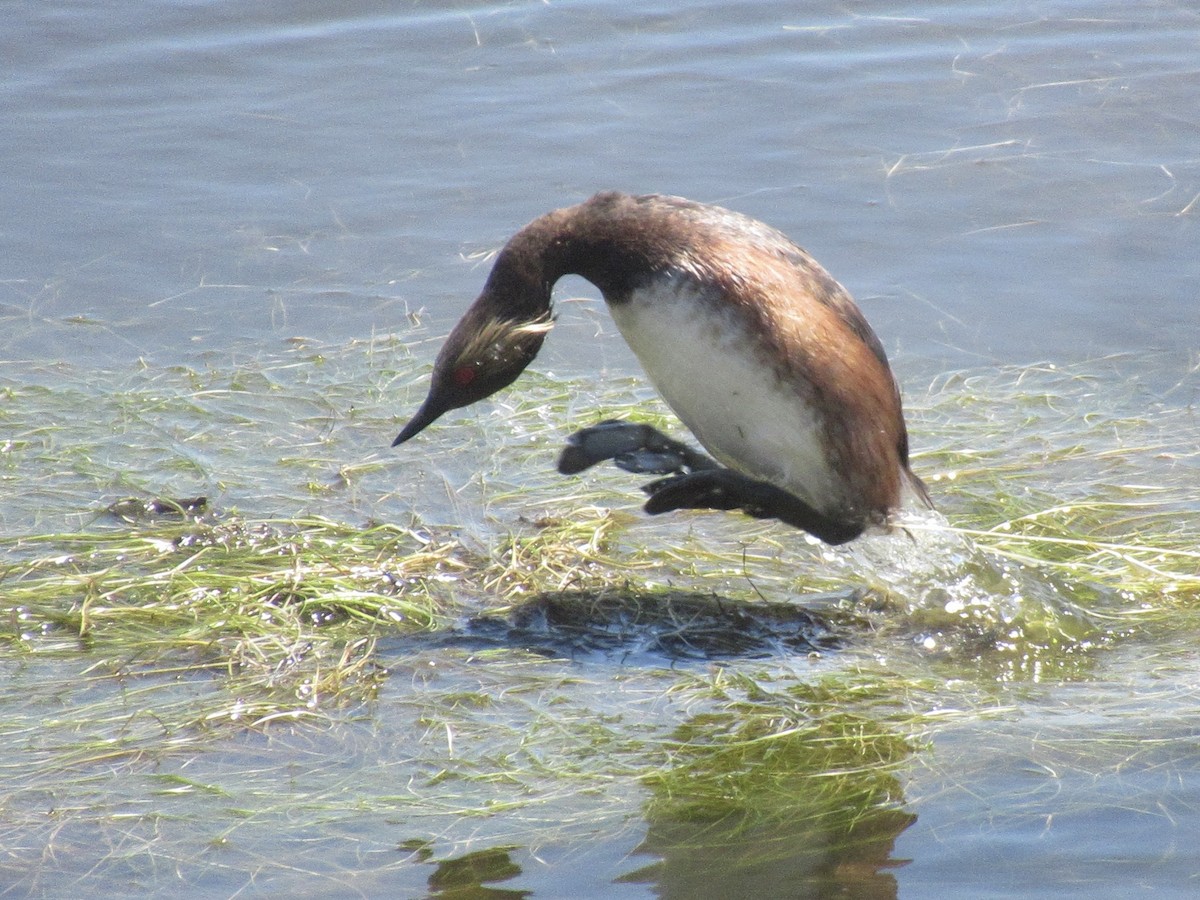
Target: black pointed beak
425,416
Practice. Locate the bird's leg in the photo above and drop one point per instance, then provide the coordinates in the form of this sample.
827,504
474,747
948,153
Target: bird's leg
694,481
637,448
723,488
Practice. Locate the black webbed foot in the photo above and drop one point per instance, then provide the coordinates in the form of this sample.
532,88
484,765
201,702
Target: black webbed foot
636,448
694,481
728,490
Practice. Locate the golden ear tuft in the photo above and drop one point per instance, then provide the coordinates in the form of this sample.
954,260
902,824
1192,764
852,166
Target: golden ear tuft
500,343
541,325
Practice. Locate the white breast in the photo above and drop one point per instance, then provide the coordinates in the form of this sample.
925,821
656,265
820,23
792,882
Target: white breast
706,366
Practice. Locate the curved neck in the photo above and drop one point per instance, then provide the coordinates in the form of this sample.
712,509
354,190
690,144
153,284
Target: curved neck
606,240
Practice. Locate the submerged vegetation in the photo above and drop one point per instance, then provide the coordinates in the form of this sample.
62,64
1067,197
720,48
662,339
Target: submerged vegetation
461,579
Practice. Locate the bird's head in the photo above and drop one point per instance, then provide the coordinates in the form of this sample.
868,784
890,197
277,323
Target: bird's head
487,350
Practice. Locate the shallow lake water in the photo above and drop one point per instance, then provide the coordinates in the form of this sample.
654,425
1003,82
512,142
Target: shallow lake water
219,219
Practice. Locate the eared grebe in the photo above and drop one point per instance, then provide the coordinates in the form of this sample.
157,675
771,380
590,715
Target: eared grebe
757,349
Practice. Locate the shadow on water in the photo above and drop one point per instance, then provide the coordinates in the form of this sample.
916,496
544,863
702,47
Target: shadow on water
637,627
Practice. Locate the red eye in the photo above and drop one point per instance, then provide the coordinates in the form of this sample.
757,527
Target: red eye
464,376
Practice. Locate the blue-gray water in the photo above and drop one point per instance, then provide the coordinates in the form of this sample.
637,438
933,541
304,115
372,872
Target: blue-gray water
994,182
997,183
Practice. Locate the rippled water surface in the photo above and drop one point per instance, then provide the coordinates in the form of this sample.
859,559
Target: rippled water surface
190,191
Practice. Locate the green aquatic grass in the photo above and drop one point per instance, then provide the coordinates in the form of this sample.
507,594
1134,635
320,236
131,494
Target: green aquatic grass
1090,481
1073,527
1063,503
287,613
